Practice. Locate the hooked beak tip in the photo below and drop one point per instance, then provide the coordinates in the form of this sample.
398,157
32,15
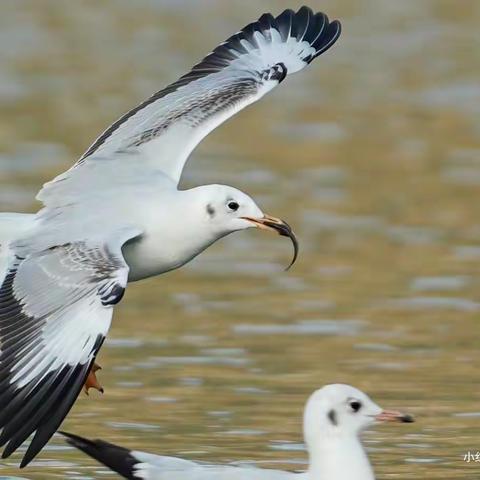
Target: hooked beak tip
268,222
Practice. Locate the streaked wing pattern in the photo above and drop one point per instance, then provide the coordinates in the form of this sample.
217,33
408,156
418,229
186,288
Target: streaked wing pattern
55,310
161,132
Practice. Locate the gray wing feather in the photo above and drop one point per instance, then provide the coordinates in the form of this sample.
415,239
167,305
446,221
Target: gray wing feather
161,132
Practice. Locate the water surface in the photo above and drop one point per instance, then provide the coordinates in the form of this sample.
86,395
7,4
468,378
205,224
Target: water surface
372,154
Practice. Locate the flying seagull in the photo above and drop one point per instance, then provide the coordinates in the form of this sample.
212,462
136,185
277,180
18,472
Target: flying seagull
118,216
334,417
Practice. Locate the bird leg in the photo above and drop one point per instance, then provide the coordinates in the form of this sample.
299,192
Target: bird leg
92,381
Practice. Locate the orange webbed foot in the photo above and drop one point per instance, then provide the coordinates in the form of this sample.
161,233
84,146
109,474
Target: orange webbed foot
92,381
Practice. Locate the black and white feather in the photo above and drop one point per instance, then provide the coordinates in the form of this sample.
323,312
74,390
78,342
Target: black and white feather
55,310
135,465
63,269
116,458
162,131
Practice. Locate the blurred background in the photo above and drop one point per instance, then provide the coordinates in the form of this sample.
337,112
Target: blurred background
372,154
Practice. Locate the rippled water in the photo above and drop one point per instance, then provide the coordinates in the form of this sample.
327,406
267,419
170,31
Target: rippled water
372,154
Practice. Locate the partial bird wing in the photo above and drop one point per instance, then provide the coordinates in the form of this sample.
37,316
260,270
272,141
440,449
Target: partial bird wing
134,465
12,225
127,463
160,133
55,310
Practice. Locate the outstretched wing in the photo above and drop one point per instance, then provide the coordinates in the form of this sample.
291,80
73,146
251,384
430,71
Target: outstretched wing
129,464
163,130
55,310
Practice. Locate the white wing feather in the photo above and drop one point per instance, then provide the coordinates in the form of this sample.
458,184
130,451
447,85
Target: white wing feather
159,135
60,279
55,310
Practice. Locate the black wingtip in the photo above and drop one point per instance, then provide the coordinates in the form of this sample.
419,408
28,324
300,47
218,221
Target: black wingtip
118,459
55,407
76,440
333,32
305,25
39,408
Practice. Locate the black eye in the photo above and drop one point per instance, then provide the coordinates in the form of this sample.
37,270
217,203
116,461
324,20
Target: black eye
355,405
233,206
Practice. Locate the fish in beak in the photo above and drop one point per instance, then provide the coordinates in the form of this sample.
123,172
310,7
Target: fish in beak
393,416
282,228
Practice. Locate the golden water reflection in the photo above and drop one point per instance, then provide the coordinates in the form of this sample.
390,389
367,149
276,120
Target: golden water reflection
372,155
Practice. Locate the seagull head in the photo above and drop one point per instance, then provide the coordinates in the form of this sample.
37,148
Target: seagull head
228,210
339,411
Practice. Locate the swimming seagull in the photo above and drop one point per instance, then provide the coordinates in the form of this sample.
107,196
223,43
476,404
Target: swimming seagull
334,417
117,216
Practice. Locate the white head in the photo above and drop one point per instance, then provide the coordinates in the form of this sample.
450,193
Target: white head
334,417
224,207
223,210
340,410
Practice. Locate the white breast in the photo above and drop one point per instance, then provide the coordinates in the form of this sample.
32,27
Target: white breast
154,254
173,236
